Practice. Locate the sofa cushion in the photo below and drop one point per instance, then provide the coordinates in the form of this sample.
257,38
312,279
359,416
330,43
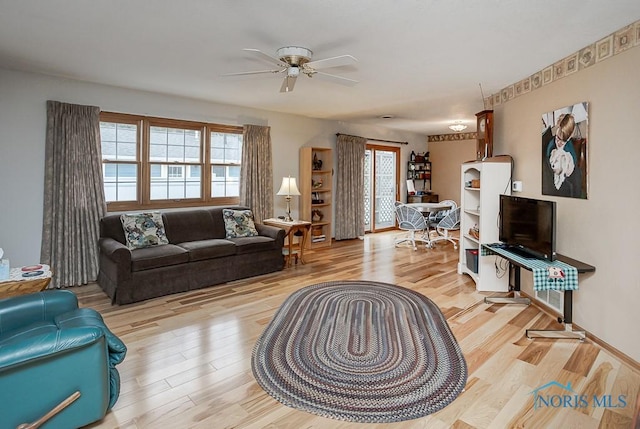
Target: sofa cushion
189,225
246,245
239,223
158,256
209,249
143,230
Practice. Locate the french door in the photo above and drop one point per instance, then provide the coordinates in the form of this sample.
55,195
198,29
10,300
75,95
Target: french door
381,178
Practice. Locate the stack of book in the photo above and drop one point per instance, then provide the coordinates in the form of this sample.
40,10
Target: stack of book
317,238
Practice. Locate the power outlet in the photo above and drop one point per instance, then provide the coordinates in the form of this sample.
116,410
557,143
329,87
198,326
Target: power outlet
517,186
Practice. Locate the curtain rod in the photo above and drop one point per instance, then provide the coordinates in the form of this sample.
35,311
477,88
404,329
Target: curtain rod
375,140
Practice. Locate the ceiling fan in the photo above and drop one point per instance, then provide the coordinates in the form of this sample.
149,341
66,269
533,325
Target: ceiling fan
293,60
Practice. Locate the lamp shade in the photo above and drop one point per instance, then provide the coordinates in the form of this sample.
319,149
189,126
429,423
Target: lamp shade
288,186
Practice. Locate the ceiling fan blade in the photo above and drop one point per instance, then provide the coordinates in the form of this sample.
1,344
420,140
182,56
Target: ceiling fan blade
336,78
252,72
342,60
267,57
288,83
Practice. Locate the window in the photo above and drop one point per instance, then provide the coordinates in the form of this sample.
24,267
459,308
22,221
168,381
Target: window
174,172
226,153
120,160
156,163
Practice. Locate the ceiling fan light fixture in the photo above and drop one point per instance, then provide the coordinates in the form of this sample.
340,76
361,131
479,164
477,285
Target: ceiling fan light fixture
457,127
296,60
294,55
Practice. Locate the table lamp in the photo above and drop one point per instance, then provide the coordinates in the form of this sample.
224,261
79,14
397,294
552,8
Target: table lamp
288,188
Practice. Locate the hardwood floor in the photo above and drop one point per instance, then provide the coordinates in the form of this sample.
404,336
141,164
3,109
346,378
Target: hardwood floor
189,355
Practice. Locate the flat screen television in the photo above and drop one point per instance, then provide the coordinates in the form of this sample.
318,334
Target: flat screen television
528,226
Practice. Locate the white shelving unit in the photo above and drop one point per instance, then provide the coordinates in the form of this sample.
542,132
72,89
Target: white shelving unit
480,207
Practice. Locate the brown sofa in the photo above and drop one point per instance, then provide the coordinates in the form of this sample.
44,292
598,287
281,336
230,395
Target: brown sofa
198,255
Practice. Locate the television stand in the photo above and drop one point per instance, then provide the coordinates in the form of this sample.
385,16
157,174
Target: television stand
517,262
516,298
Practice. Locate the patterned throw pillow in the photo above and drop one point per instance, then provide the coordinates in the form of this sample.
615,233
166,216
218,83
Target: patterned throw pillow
143,230
239,223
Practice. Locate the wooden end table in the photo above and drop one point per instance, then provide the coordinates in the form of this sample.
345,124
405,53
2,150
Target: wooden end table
290,229
17,284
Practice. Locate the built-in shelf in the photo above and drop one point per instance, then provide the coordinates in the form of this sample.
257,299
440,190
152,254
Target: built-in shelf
316,175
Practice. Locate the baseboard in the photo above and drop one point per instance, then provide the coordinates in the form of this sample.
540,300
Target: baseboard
594,339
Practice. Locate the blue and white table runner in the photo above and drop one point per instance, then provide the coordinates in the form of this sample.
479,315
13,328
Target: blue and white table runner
554,275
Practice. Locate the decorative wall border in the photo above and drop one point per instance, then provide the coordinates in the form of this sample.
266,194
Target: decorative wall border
607,47
452,137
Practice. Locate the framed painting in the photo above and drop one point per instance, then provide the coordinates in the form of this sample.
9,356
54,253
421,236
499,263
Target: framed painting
564,151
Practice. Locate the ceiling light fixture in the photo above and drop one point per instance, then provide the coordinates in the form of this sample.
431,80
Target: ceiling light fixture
458,127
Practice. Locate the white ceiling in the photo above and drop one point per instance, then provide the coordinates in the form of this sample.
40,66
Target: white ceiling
419,60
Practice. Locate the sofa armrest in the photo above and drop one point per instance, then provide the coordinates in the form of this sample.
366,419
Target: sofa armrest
116,251
270,231
17,311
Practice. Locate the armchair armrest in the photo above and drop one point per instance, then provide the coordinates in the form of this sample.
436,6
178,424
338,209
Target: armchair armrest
89,317
44,341
17,311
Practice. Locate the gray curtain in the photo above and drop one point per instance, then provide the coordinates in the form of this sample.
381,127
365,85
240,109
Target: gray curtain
73,193
256,176
350,187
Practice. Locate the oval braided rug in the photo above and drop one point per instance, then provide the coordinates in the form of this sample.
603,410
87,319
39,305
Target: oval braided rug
360,351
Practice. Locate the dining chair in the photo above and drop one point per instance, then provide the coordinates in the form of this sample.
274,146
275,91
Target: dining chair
451,222
413,221
436,217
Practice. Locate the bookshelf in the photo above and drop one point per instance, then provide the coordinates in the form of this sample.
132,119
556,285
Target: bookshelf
316,199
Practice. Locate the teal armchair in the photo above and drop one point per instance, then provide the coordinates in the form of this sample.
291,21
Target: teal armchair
57,362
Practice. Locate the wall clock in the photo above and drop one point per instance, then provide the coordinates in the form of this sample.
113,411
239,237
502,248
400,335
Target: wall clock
484,143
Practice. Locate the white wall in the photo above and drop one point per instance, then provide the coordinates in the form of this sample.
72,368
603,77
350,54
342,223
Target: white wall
23,99
604,229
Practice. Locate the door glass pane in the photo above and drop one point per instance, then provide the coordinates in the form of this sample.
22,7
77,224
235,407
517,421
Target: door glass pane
368,184
385,188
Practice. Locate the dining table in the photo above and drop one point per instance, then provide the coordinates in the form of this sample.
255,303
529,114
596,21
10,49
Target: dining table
427,209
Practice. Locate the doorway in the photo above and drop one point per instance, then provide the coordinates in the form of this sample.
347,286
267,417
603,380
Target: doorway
381,179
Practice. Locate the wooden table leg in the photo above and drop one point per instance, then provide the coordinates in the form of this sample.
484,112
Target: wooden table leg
303,241
290,245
